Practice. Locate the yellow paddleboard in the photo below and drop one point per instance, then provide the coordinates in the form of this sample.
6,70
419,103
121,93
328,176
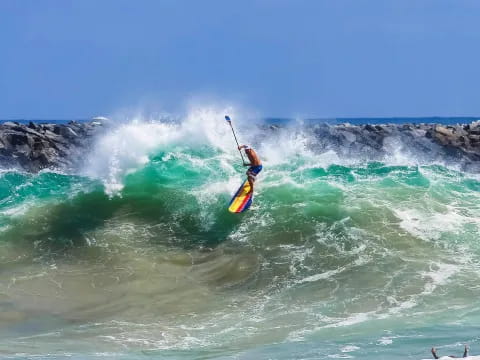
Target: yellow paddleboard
242,200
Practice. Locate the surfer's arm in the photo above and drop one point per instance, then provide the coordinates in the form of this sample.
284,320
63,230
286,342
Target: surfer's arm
240,148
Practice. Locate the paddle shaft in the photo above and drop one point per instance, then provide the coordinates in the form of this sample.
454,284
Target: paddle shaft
235,136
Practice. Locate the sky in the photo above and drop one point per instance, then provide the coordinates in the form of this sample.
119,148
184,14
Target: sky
67,59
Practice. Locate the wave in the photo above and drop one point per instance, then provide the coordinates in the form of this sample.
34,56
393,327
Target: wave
141,239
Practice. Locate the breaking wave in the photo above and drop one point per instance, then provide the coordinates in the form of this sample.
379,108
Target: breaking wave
137,252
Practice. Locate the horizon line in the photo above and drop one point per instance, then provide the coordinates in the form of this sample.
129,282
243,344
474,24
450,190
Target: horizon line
275,118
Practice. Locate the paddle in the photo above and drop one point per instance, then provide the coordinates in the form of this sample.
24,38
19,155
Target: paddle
235,136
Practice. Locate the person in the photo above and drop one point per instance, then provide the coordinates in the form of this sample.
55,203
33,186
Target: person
435,356
255,165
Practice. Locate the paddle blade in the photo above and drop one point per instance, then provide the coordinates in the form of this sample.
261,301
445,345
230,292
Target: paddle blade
227,118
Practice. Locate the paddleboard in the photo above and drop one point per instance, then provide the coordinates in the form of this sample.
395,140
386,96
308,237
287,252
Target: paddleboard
241,201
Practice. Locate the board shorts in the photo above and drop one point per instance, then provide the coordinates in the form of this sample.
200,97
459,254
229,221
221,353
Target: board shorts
253,171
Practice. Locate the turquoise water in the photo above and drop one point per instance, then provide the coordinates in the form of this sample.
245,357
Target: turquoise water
136,256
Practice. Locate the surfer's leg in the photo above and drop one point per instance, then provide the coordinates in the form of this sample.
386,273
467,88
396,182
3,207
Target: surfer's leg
465,353
251,177
434,353
251,180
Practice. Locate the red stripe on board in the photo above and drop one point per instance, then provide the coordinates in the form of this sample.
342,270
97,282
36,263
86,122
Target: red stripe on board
240,208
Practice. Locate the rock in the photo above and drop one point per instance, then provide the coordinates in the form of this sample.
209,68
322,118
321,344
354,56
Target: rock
10,123
33,126
16,139
37,146
475,124
55,138
67,132
444,131
48,127
57,129
474,138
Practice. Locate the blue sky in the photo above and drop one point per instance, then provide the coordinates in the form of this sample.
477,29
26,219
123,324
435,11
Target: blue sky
343,58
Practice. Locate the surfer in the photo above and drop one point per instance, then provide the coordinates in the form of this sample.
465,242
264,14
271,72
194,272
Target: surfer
465,353
255,165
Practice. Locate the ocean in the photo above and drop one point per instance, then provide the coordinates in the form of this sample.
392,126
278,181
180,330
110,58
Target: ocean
135,256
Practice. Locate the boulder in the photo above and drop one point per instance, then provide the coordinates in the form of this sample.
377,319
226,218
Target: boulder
475,124
67,132
10,123
16,138
37,146
34,126
443,130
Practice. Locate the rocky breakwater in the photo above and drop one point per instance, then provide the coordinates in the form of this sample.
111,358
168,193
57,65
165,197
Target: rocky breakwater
33,147
457,145
460,138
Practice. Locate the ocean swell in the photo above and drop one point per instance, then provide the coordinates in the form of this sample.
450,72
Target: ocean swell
137,252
